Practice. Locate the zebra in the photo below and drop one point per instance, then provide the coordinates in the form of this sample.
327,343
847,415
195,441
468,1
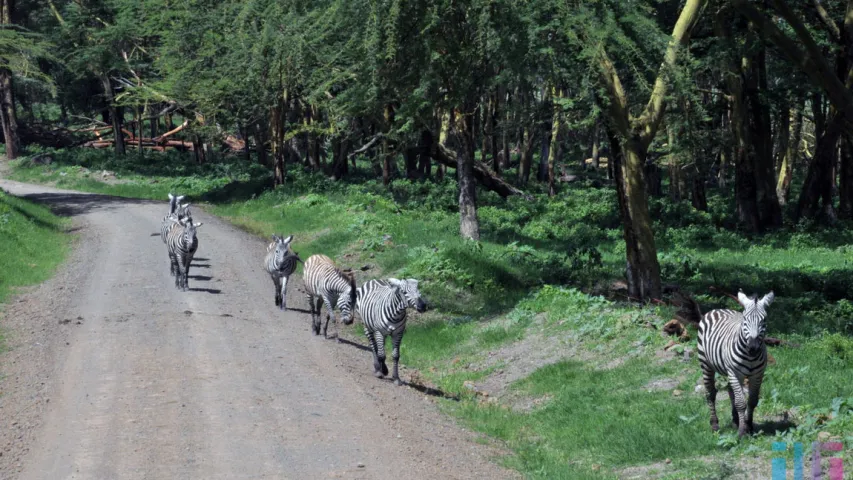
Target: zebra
280,263
181,211
383,306
731,344
329,285
182,244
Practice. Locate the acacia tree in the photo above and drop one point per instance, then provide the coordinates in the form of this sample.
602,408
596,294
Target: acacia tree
631,134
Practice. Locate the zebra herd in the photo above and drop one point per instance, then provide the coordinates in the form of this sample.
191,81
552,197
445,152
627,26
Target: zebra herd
382,304
730,343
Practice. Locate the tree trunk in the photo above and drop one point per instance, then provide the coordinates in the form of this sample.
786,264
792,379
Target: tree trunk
426,146
642,269
790,156
493,130
526,154
387,154
845,190
278,117
261,144
596,146
677,184
469,225
544,153
816,196
746,191
761,140
8,116
139,127
554,150
115,118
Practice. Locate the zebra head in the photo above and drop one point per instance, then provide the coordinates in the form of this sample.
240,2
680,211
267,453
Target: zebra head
190,231
409,288
754,313
347,302
282,248
184,210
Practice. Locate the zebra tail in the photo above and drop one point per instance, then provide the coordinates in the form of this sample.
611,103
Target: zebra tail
690,311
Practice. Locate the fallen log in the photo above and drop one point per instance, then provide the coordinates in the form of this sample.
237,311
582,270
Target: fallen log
485,175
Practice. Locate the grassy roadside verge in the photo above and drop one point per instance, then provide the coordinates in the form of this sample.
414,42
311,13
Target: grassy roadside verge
32,245
575,382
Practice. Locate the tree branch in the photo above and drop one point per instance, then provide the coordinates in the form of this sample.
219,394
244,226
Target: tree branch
368,145
810,61
824,17
650,119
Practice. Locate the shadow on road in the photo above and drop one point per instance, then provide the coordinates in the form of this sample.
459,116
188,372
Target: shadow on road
71,204
208,290
202,278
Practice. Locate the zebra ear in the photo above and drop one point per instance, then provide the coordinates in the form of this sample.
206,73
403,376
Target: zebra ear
275,237
288,239
179,198
171,197
767,299
196,225
743,299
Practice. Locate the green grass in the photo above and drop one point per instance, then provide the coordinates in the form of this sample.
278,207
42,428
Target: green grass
541,278
32,245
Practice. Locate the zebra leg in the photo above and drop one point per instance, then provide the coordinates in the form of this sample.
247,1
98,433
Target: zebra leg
736,384
377,368
173,266
711,396
754,389
330,314
735,420
315,324
283,295
315,317
379,363
183,267
396,338
277,288
189,261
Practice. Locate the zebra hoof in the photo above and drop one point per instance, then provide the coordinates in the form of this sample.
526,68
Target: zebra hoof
397,382
378,374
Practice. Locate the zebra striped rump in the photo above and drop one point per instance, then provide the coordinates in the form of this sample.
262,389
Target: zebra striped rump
330,286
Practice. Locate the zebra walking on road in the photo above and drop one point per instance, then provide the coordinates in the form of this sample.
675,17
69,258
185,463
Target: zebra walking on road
182,244
732,344
280,263
328,284
383,306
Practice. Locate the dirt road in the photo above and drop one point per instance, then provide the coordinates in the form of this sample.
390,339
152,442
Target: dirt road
112,373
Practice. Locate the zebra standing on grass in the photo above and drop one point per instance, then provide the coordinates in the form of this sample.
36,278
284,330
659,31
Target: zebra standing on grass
732,344
280,263
329,285
383,305
182,244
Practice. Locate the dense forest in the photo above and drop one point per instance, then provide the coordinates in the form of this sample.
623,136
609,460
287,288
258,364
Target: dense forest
674,97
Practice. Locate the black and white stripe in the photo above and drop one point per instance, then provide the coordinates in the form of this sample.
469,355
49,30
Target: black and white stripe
280,263
383,306
182,244
176,212
327,284
731,344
